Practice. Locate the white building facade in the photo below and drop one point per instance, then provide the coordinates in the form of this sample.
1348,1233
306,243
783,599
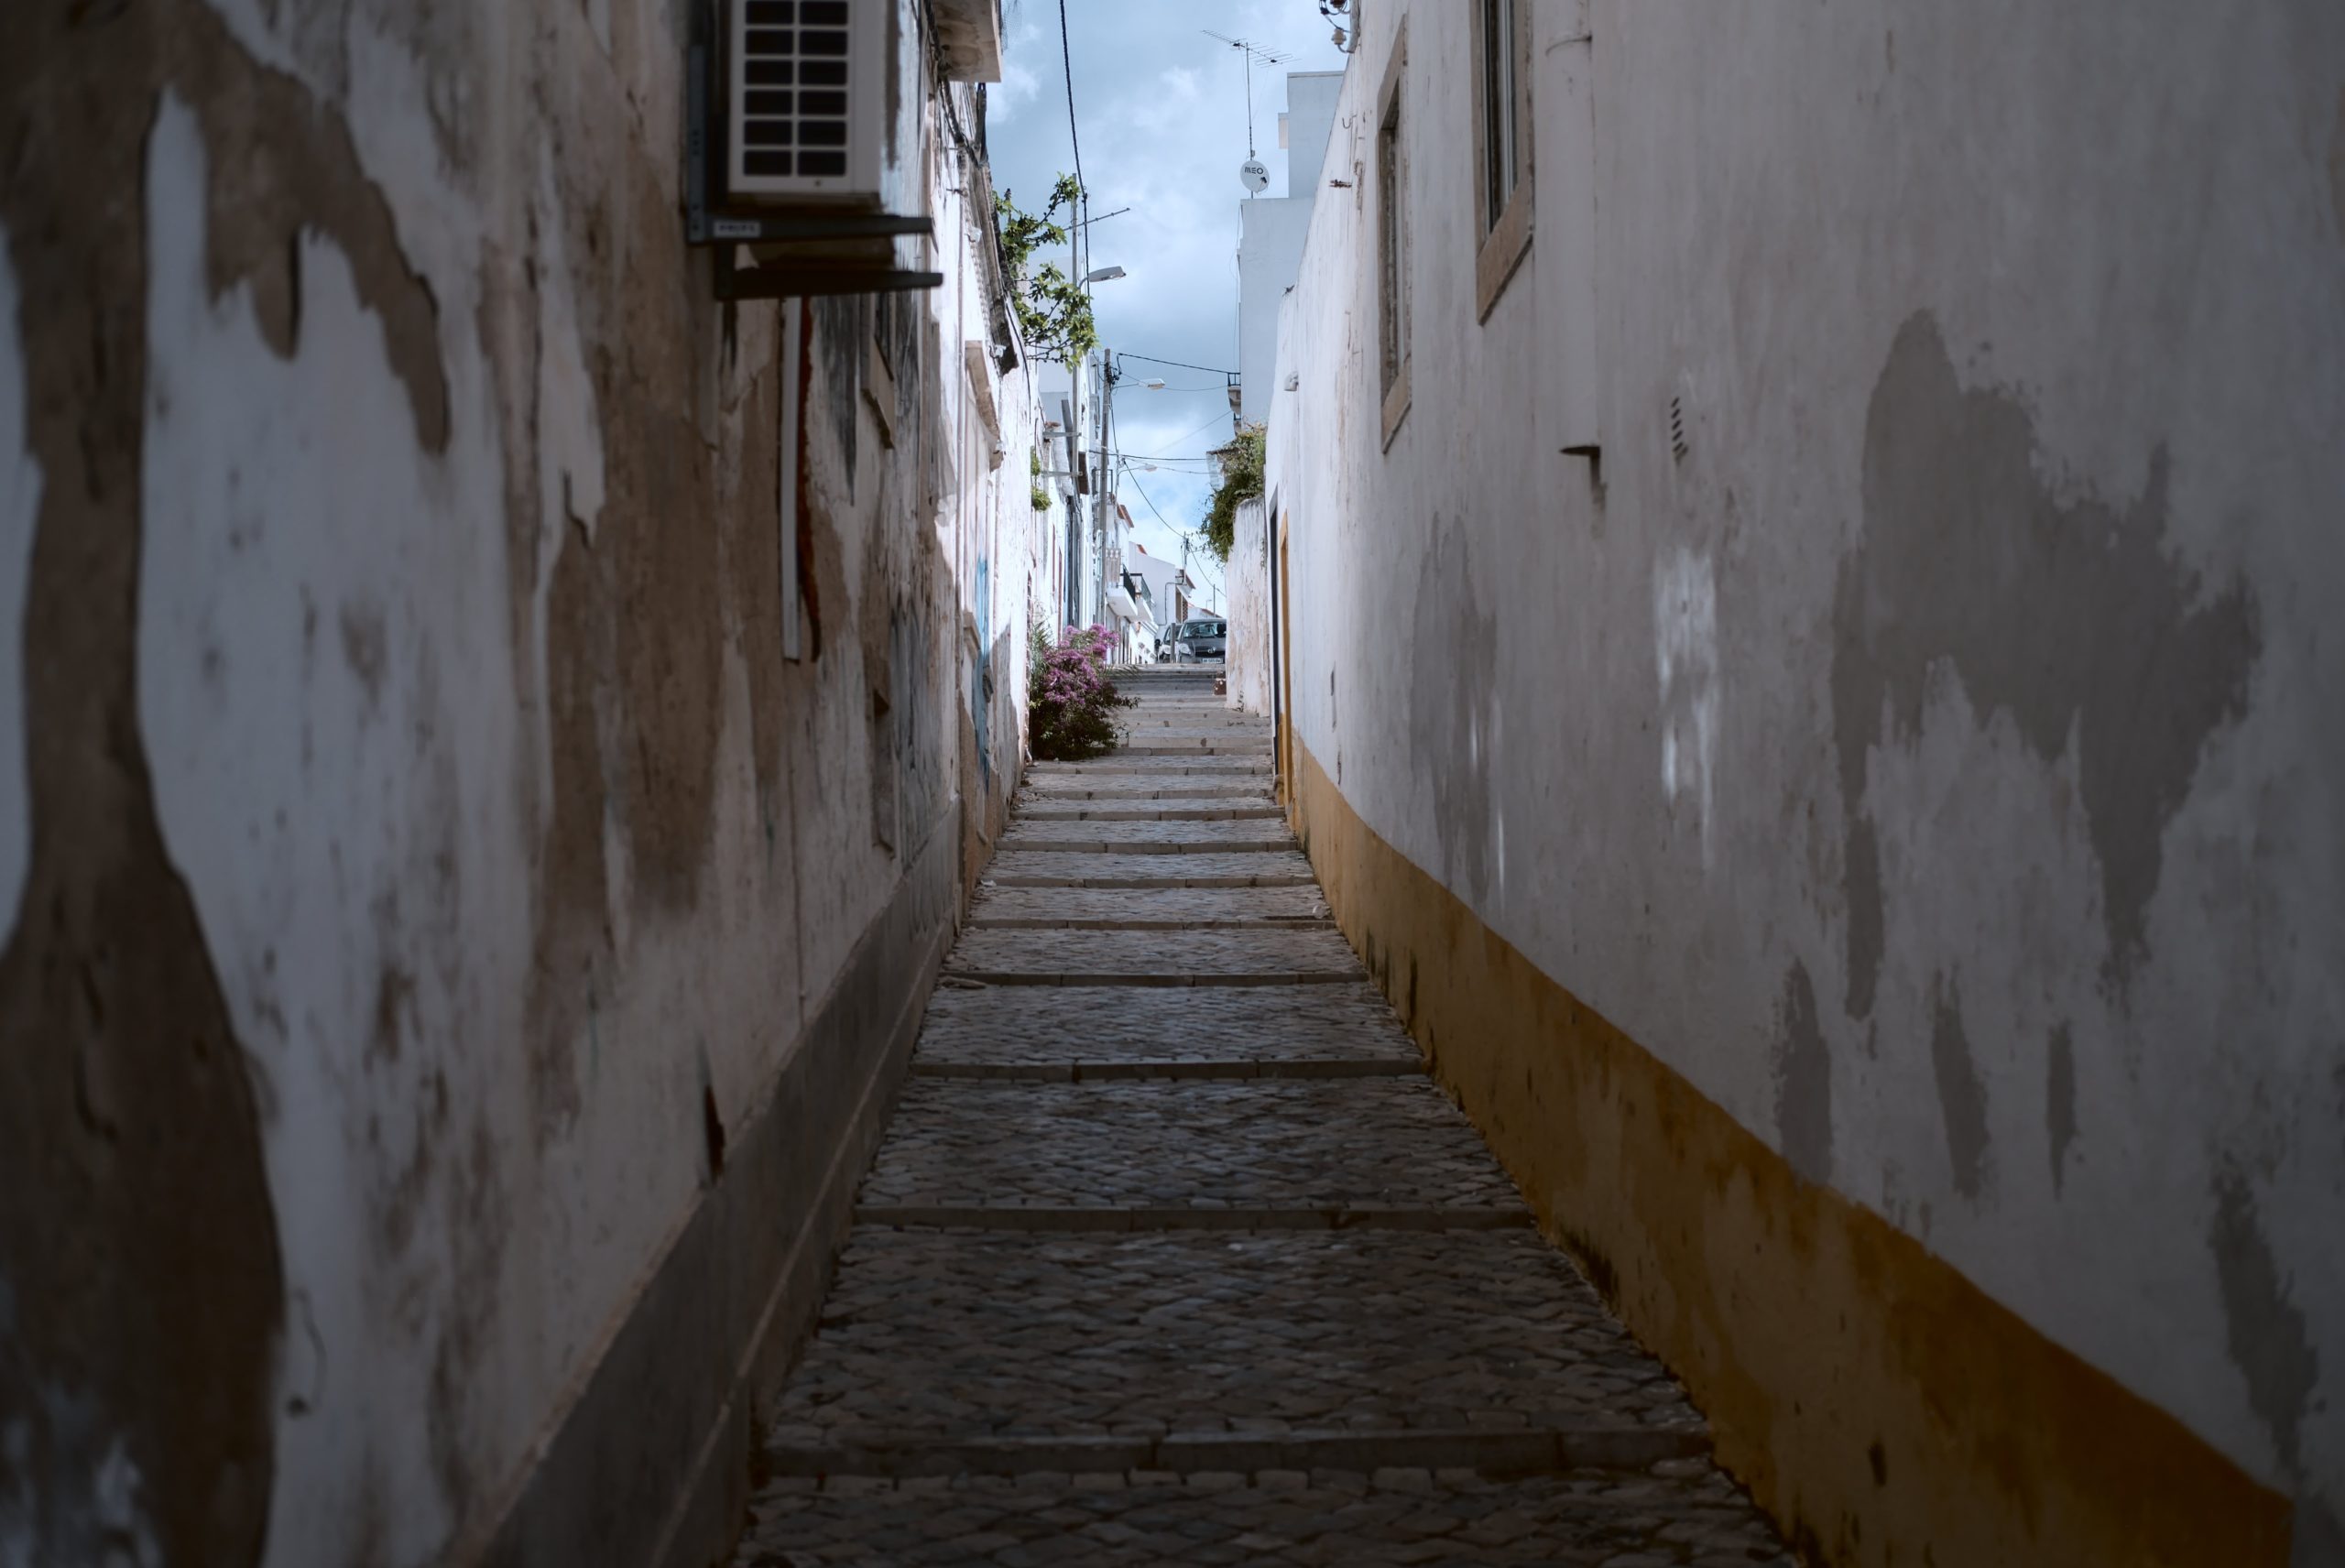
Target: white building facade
1801,546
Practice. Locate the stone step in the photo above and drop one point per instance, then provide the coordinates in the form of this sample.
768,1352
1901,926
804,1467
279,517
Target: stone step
1177,808
1190,958
1673,1514
1028,868
1117,764
1140,836
1177,744
1096,1219
1546,1450
1311,1155
1196,908
1062,1027
1146,838
1150,1070
1140,789
953,1334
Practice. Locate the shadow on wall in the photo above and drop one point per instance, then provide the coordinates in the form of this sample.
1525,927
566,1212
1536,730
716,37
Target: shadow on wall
2067,616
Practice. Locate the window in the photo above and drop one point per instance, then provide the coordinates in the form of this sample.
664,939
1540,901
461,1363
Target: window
1392,241
1503,144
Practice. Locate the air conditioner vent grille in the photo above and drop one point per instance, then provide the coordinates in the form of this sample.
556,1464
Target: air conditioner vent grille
795,76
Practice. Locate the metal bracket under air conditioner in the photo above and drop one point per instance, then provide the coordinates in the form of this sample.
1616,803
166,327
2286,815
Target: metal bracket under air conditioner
788,267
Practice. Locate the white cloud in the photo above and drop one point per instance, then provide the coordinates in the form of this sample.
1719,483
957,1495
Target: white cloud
1162,111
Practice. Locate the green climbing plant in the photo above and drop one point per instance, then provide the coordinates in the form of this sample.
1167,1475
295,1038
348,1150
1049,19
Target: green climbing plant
1241,481
1053,313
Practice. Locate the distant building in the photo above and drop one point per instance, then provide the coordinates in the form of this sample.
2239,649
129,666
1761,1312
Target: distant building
1271,236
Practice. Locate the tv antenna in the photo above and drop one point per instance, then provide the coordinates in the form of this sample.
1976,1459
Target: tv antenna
1255,176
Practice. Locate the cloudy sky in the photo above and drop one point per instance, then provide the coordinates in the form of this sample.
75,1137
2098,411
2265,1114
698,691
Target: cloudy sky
1161,111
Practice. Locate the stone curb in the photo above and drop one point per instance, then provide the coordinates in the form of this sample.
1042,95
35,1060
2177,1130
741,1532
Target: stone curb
1072,977
1316,1067
1537,1451
1072,1219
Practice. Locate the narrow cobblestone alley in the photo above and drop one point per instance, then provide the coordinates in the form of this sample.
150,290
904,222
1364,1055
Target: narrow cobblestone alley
1172,1253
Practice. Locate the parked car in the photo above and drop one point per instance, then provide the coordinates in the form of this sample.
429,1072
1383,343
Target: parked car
1198,642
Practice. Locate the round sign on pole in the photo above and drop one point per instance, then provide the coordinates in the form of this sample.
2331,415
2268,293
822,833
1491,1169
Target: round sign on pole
1254,175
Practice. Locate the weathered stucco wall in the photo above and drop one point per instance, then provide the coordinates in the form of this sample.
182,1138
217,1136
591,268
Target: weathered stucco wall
451,945
1246,579
1915,735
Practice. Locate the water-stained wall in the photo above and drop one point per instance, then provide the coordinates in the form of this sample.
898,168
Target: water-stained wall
1854,622
451,943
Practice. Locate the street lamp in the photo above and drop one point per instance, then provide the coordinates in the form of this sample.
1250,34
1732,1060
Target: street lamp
1103,274
1155,385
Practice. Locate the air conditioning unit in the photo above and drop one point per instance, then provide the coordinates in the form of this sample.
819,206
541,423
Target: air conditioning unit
806,119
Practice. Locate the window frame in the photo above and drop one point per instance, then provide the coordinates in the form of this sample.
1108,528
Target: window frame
1502,238
1392,282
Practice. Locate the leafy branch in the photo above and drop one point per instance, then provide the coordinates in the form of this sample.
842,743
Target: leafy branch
1053,313
1241,481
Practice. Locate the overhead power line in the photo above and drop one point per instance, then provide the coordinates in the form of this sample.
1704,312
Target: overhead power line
1176,363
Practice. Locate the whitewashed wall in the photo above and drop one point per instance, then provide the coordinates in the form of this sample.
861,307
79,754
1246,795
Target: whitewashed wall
2024,938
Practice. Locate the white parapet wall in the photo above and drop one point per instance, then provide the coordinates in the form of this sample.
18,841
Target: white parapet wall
1245,582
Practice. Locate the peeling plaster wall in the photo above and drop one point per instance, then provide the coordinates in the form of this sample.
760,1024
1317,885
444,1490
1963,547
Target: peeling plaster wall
1919,731
1246,576
444,875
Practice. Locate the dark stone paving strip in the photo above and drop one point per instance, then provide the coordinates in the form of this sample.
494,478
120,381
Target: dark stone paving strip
1049,1024
1200,908
1110,879
1076,1219
1200,957
1041,843
1007,1333
1249,766
1285,867
1299,1069
1164,812
1680,1513
1180,981
1144,787
1259,923
1531,1450
1392,1146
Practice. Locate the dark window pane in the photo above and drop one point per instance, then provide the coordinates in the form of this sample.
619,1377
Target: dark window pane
823,72
829,13
822,163
767,72
766,40
766,163
810,41
771,13
822,133
766,133
821,102
770,103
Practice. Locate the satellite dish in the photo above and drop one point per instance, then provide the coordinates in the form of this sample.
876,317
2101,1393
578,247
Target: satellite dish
1254,175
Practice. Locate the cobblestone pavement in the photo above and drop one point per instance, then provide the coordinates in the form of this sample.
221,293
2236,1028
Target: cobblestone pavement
1209,1274
1267,956
1180,909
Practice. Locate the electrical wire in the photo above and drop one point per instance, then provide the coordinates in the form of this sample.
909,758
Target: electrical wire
1074,140
1176,363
